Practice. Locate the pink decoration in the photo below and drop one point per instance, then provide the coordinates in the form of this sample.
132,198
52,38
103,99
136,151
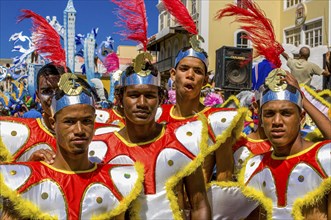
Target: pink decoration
212,99
112,63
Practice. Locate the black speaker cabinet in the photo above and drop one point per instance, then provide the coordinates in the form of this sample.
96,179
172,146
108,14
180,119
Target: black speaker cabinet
233,68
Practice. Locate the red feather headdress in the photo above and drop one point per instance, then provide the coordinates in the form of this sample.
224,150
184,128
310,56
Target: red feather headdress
45,38
177,9
259,27
132,15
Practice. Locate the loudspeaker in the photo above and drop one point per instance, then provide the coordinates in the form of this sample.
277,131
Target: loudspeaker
233,68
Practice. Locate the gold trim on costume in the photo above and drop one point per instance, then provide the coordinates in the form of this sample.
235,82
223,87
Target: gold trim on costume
141,143
294,155
70,172
181,117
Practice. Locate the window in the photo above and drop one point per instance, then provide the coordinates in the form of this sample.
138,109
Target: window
241,41
161,21
313,33
169,51
291,3
168,19
292,36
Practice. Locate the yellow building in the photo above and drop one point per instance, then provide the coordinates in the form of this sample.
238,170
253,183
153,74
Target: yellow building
297,22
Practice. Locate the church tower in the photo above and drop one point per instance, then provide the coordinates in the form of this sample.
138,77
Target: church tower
69,19
89,48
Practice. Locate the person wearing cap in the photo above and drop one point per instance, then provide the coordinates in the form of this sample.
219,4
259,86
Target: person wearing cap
170,153
302,69
293,180
190,75
72,187
224,127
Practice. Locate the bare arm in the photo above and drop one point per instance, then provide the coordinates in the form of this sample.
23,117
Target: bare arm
197,195
327,69
329,206
321,121
285,55
225,160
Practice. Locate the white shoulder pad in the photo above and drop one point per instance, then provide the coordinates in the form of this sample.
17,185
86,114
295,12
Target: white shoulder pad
189,135
15,175
124,178
219,121
14,135
251,166
108,129
97,151
323,157
48,196
302,180
26,155
101,116
98,199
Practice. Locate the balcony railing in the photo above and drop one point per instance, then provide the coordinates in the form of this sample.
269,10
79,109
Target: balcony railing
165,64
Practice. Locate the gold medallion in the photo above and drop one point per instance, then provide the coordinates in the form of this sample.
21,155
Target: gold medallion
139,63
273,81
68,84
195,42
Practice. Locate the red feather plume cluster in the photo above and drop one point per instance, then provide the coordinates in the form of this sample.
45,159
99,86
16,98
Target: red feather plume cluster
132,15
177,9
112,62
45,38
259,28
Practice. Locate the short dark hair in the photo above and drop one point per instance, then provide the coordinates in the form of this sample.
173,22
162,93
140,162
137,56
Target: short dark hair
148,66
49,70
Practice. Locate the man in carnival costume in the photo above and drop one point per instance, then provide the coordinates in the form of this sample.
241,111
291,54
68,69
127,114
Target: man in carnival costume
73,187
169,152
292,181
254,22
189,75
33,139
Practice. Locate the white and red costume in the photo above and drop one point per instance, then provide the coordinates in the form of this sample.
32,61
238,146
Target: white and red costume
69,195
109,116
222,123
246,147
174,154
285,184
22,136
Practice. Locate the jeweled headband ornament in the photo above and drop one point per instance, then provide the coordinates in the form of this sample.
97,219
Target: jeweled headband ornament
177,9
132,15
73,93
279,90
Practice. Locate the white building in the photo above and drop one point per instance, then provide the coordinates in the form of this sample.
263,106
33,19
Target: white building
69,19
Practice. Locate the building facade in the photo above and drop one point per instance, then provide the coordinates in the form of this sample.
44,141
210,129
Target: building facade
296,23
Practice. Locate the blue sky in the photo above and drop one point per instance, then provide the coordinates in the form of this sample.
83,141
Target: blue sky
90,14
